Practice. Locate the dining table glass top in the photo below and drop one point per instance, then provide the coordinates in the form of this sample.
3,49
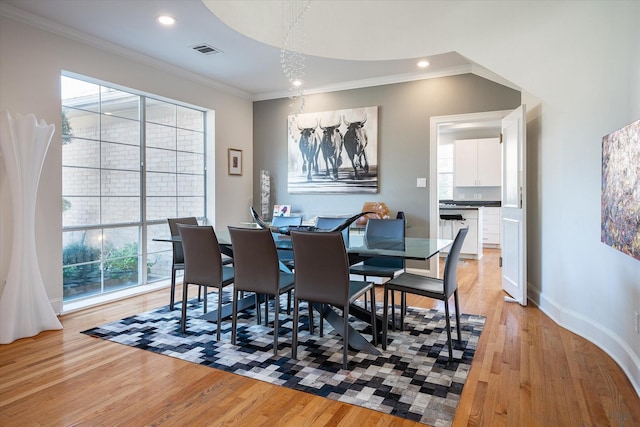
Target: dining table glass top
418,248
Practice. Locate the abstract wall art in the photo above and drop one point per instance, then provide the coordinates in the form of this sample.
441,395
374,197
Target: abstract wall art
621,190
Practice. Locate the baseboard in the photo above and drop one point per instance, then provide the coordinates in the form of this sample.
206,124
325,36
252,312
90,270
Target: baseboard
581,325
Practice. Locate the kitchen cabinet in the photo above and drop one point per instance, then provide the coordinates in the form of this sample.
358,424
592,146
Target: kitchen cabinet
472,218
491,227
477,162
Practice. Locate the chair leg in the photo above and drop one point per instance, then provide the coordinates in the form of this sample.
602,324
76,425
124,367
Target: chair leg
364,278
385,318
294,338
183,317
374,329
403,307
448,321
234,317
289,303
393,311
200,295
275,325
258,312
321,321
345,336
266,310
173,289
311,318
219,310
455,295
205,296
403,310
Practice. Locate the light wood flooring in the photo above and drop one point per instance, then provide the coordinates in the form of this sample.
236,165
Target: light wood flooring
527,371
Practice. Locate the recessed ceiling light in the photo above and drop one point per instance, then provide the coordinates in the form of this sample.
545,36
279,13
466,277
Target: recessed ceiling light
297,83
166,20
423,64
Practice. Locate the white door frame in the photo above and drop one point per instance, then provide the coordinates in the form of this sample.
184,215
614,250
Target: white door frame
435,122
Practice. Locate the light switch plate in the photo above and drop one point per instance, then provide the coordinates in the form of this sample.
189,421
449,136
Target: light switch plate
421,182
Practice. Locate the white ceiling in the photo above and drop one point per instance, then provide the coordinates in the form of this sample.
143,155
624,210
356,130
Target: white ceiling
244,65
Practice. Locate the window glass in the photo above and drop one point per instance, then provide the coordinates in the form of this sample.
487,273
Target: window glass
129,162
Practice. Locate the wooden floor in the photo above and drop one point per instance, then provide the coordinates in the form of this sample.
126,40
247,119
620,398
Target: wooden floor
527,372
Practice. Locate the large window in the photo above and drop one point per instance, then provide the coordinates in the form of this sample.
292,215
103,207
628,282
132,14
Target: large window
129,162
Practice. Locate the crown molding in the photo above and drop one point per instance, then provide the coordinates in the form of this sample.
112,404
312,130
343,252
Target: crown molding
377,81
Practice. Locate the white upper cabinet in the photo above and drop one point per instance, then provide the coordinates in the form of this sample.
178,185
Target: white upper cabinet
477,162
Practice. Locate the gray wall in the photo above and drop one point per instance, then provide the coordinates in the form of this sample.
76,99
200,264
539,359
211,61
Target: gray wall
403,142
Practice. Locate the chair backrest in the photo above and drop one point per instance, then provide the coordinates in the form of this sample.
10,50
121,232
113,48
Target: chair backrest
383,232
283,221
450,276
202,258
322,267
329,222
255,260
178,254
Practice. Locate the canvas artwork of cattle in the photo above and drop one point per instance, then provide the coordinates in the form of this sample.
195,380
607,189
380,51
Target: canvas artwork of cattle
333,151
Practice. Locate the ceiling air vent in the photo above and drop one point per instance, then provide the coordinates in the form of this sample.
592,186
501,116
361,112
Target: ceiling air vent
205,49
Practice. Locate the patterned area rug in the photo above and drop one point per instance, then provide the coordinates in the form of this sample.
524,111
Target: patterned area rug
413,378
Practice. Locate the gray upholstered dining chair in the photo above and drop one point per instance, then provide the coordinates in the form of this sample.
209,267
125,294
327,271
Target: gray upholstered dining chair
322,277
431,287
330,222
178,253
203,267
257,270
382,231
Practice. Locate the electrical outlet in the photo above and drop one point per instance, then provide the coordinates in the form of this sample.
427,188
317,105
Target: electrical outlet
636,322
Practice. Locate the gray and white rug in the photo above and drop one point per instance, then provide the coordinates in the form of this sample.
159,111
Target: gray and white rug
412,379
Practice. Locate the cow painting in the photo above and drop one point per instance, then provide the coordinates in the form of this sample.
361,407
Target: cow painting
309,148
355,143
331,148
333,152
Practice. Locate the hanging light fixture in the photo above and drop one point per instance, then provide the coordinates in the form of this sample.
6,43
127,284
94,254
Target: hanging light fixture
291,57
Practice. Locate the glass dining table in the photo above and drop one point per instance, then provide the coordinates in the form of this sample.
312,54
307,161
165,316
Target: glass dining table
414,248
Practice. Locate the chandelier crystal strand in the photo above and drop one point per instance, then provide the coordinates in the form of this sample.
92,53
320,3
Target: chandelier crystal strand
291,57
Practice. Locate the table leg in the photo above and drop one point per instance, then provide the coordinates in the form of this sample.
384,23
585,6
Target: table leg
227,309
356,340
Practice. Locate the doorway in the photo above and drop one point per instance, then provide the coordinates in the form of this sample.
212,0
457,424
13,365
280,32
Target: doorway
443,131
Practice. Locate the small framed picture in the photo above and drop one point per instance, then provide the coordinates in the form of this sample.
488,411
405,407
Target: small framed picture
235,161
281,210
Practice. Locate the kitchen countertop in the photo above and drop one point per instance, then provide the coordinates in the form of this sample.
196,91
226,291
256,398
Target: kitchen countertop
459,204
459,207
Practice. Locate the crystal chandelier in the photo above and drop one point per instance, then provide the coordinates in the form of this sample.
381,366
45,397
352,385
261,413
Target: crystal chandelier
291,57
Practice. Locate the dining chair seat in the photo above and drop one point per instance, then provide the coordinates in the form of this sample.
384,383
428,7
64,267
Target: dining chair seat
431,287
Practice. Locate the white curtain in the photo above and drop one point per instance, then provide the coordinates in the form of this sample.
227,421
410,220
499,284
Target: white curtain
25,309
